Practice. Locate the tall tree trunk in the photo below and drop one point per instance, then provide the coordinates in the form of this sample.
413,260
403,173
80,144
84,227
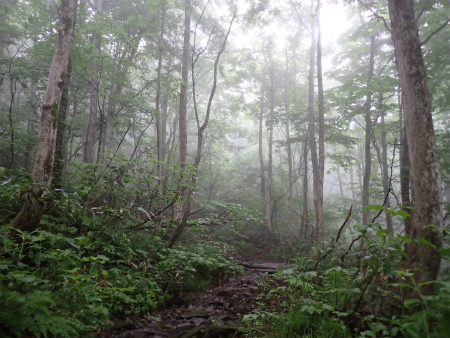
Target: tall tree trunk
110,120
368,138
352,184
31,118
270,158
290,230
426,196
159,140
321,163
312,135
304,224
341,190
30,215
200,131
182,119
404,169
262,167
164,115
93,100
11,108
384,164
60,135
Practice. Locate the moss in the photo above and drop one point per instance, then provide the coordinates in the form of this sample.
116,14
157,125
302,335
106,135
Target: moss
68,25
62,81
55,111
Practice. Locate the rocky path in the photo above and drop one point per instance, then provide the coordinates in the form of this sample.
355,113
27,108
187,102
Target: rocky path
214,313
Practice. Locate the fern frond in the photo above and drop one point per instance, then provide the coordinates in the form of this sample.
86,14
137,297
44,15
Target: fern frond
337,282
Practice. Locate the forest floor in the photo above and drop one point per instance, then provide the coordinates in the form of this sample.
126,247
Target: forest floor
213,313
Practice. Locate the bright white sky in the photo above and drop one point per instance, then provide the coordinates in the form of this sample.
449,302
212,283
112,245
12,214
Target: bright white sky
333,23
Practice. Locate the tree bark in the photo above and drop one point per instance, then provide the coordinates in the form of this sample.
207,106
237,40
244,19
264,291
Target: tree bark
182,119
321,160
384,164
368,138
426,196
60,135
404,169
262,168
312,138
270,159
290,230
32,119
31,213
304,225
159,140
88,155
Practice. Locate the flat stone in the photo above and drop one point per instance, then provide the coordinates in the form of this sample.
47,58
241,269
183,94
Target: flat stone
186,325
202,314
198,321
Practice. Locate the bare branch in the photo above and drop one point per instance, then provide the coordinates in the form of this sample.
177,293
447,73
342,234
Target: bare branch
437,30
375,14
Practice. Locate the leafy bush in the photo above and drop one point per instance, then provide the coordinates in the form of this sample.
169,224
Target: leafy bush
83,265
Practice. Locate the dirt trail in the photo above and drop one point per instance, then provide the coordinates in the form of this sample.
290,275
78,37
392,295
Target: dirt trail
214,313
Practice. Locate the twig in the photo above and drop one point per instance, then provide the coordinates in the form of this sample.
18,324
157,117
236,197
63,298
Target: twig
300,17
419,13
375,14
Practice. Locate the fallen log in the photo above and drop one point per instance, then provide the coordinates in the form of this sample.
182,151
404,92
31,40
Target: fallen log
259,267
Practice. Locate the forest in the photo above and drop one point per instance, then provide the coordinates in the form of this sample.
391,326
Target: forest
224,168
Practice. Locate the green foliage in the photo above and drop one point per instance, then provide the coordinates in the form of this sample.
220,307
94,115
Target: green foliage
83,265
361,296
336,285
310,319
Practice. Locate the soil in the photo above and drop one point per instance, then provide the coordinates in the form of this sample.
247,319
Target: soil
214,313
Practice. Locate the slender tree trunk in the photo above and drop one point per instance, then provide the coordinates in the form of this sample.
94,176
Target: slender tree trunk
93,100
368,138
290,230
426,196
262,168
352,184
270,159
60,135
200,131
321,162
304,225
159,140
360,164
164,115
404,169
13,92
30,215
31,119
110,120
312,137
340,183
386,187
182,119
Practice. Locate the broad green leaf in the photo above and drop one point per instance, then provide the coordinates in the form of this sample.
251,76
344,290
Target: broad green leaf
410,301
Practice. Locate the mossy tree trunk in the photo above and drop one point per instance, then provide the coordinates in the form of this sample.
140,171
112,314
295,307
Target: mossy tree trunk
31,213
426,200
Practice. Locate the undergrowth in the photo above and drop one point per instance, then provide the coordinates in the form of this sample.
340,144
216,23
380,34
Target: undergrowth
86,264
352,295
